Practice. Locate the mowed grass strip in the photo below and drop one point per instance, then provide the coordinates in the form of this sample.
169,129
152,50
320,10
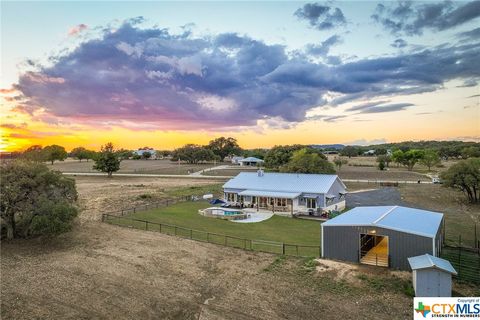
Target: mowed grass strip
185,214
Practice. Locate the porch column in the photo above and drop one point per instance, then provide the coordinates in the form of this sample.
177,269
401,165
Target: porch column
273,208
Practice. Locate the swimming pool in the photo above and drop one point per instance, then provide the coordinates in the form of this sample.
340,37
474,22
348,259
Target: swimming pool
223,213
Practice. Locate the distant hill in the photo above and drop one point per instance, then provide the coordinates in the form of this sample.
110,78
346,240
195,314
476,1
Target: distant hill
328,146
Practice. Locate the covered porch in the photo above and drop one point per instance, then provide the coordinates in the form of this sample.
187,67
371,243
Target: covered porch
264,200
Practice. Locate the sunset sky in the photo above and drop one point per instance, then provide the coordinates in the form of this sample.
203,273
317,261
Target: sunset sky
162,74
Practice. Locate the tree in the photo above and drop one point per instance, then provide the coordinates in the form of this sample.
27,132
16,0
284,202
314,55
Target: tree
470,152
107,160
54,152
398,157
34,153
193,154
80,153
339,162
124,154
35,200
464,175
411,157
350,151
304,162
381,164
223,147
257,153
385,158
430,158
280,155
146,155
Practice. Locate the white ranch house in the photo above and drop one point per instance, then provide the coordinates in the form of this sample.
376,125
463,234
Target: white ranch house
288,193
250,161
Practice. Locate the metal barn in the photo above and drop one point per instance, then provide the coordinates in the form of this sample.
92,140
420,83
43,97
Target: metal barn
432,276
382,236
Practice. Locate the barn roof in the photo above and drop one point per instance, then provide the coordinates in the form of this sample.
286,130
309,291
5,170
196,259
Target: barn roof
428,261
283,182
403,219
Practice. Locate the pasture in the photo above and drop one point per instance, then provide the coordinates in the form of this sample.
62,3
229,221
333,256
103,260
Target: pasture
135,166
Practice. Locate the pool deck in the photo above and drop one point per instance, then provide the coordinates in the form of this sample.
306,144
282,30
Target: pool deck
255,216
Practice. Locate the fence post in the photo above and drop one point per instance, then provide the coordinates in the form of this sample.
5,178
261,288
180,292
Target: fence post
297,249
160,227
134,210
283,248
225,240
319,251
175,230
191,231
475,231
146,225
208,237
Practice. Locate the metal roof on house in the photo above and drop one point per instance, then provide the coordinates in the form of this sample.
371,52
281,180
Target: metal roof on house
273,194
283,182
404,219
250,159
428,261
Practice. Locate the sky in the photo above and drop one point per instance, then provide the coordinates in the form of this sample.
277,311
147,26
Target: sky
163,74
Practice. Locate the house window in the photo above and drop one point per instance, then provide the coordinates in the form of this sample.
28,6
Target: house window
281,202
311,203
330,199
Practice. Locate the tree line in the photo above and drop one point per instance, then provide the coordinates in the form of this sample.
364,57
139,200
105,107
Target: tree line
445,149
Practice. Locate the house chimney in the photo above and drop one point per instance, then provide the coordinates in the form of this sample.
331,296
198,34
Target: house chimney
260,172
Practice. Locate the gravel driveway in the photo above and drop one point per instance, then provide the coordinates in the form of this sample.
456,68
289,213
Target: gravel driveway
379,197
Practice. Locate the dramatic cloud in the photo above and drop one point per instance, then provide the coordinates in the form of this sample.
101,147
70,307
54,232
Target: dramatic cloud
366,105
181,82
399,43
379,107
412,19
321,17
387,108
323,48
77,29
470,35
13,126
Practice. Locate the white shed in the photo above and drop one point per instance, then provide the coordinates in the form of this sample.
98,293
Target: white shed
432,276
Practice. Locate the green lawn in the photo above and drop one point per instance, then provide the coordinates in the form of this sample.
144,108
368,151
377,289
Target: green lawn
185,214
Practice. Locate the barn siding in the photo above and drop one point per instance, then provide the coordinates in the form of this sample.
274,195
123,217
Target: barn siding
342,243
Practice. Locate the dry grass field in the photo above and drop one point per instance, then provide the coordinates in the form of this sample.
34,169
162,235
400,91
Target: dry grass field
103,271
134,166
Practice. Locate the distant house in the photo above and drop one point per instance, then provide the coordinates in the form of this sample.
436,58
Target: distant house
370,152
141,151
382,235
251,161
235,159
290,193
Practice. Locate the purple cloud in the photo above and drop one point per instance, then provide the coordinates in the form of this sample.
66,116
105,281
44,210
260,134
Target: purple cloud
183,82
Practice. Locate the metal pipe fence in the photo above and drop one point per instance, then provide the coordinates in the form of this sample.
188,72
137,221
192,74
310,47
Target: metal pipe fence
289,249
